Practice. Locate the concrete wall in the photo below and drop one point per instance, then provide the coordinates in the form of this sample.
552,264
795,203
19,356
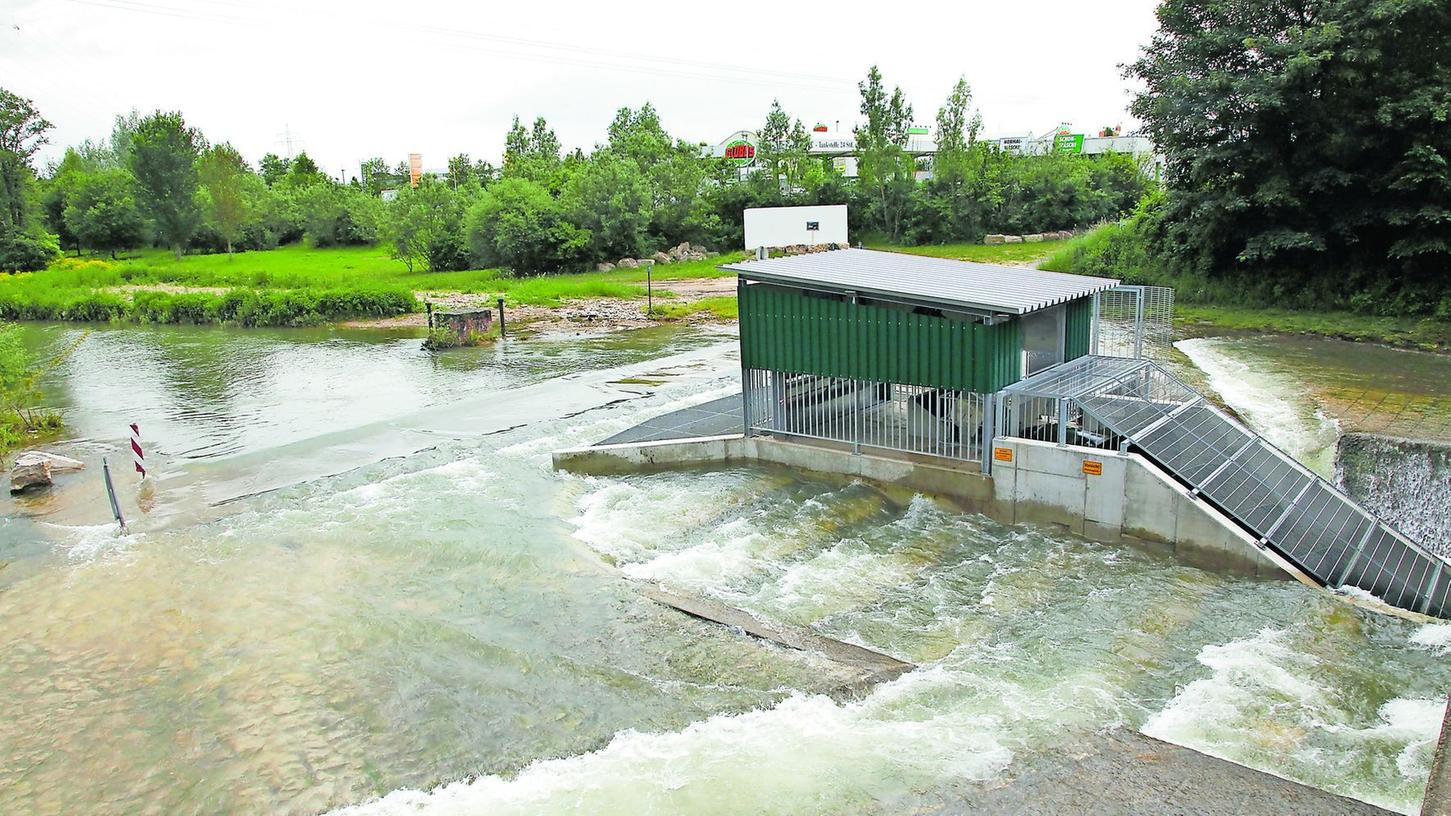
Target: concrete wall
1127,500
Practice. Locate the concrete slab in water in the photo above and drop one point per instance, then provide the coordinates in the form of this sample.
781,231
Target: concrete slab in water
1124,773
714,418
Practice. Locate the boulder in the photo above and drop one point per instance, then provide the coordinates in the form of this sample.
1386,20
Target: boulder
628,263
34,468
1033,238
604,266
661,258
1012,239
995,239
699,248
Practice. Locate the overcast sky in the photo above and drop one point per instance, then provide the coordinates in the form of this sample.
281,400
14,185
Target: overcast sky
355,78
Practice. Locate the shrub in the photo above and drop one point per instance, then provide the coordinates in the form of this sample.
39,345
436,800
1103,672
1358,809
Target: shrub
25,252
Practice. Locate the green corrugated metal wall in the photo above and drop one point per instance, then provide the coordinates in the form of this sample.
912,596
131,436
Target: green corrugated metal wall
1079,328
784,330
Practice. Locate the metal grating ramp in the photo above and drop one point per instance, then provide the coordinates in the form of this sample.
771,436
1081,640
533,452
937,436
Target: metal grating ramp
1287,507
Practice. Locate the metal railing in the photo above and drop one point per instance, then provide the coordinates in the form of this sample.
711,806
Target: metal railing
1283,504
890,416
1133,321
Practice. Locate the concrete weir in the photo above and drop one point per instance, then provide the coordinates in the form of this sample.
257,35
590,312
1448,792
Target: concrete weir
1115,498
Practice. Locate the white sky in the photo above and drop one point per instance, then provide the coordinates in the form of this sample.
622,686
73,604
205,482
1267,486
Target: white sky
359,78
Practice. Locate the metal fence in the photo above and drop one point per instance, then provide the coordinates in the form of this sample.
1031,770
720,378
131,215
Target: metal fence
1134,321
889,416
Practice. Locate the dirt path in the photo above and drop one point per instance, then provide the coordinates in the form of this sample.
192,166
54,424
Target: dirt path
572,315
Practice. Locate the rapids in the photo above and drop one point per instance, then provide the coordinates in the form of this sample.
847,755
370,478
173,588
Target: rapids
456,632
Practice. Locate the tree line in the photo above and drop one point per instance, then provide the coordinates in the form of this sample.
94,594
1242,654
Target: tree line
157,181
1308,156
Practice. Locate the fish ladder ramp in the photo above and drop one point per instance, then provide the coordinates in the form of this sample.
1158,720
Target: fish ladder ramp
1286,507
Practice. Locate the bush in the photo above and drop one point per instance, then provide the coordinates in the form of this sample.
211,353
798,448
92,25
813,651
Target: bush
25,252
519,226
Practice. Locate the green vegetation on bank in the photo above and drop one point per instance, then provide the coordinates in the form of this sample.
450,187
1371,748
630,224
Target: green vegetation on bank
1313,177
22,418
1021,254
290,286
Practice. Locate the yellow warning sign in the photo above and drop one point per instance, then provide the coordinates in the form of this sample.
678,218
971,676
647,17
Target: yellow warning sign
1092,467
1003,454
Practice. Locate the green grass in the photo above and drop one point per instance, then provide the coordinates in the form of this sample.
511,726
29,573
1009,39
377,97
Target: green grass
982,253
1406,332
293,285
724,307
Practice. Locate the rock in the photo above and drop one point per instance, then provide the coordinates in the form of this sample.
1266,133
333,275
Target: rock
58,463
1012,239
29,473
1033,238
661,258
628,263
699,248
995,239
604,266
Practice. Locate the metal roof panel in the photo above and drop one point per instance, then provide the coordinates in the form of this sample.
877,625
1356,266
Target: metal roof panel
964,284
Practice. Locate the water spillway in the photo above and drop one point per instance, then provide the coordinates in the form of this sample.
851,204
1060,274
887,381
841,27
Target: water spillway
1289,509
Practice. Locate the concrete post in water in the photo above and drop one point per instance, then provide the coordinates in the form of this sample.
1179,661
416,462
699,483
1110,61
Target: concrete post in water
460,328
428,305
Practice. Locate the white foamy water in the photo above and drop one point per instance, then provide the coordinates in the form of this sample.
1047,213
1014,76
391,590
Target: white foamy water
1275,406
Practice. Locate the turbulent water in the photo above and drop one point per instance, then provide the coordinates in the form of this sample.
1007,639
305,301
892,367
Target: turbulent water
458,632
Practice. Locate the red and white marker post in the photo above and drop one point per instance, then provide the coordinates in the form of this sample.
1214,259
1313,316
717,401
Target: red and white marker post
136,455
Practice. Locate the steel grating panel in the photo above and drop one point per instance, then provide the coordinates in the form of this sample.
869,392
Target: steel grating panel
1292,510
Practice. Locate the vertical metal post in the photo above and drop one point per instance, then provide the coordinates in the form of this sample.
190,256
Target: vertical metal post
1093,328
501,317
111,493
649,288
986,432
1139,325
1062,422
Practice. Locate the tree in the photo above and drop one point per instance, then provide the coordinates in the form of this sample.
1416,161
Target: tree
610,198
102,214
782,148
426,226
884,168
163,160
518,225
302,171
533,154
24,246
274,169
1306,146
224,175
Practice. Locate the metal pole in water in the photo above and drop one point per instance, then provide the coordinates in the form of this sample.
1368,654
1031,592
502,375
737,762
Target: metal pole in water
501,317
111,493
137,456
649,288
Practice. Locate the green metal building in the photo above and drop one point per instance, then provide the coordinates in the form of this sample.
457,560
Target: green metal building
900,351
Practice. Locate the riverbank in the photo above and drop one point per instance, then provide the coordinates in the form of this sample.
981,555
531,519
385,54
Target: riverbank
1423,334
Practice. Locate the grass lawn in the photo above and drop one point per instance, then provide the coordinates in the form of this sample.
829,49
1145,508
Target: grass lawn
1406,332
982,253
292,285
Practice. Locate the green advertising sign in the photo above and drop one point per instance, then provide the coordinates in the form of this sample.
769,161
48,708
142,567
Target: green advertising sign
1068,143
740,152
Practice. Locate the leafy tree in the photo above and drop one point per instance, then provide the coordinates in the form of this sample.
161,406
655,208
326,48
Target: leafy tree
610,197
516,224
426,227
304,172
102,214
884,168
533,154
783,148
24,246
338,214
224,175
274,168
57,191
1306,144
163,160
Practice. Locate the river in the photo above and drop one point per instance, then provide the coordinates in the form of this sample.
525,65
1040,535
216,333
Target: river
457,617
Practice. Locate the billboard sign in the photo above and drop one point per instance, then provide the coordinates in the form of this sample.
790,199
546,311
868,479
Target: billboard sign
740,151
1068,143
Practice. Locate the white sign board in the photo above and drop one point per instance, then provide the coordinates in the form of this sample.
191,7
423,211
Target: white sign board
785,226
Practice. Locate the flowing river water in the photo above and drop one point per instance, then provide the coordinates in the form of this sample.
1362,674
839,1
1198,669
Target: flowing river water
450,632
